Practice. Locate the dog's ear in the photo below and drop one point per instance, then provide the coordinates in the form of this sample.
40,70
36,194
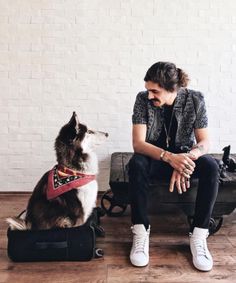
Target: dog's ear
74,122
69,132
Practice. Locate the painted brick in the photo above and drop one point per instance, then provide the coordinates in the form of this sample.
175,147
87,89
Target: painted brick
57,57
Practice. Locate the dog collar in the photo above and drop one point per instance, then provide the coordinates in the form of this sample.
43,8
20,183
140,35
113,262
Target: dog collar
62,179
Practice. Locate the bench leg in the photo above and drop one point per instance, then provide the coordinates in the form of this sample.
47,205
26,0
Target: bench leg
111,206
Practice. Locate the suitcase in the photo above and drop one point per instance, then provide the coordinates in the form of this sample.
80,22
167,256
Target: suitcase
61,244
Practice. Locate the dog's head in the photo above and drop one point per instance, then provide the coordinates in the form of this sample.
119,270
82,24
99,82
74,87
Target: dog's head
76,139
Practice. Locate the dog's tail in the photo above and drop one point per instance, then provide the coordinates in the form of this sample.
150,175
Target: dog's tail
17,223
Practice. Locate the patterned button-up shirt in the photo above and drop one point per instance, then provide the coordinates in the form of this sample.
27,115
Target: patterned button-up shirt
189,110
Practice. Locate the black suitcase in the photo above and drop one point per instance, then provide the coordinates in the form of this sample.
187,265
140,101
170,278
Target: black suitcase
61,244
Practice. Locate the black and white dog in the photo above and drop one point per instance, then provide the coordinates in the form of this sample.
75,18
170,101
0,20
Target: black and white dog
66,195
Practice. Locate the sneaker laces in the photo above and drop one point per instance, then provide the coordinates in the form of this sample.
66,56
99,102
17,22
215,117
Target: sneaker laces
139,242
200,245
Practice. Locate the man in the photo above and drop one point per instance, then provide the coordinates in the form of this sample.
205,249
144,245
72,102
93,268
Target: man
170,141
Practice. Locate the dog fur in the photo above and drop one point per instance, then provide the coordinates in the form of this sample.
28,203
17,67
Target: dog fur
74,148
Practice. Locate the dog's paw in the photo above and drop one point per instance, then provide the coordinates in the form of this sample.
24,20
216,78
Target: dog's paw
64,222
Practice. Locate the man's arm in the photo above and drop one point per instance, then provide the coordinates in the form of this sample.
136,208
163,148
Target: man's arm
177,161
202,147
203,143
141,146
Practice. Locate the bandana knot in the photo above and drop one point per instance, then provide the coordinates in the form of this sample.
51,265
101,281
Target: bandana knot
62,179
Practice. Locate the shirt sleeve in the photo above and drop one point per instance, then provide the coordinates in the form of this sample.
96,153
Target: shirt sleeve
201,112
140,109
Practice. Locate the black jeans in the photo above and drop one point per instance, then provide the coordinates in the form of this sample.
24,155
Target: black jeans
142,168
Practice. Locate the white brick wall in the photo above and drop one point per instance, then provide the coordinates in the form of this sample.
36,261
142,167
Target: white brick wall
57,56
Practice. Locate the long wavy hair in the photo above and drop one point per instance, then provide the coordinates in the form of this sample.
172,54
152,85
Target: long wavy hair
167,75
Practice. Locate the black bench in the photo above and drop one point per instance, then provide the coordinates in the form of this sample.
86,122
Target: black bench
115,201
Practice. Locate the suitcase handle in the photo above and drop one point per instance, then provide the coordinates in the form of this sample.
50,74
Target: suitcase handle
50,245
22,212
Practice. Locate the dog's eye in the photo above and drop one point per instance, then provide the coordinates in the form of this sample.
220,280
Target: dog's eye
90,132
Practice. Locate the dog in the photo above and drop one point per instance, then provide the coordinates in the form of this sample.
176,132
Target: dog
66,195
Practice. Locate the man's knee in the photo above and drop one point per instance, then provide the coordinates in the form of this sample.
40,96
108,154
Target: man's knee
138,162
208,165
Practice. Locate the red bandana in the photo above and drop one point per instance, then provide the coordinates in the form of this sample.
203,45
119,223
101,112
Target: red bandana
62,179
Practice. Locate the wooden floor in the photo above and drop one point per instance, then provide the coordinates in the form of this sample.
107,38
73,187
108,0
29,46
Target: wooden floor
170,259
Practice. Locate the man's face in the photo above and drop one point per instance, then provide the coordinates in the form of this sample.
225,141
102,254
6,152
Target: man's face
158,95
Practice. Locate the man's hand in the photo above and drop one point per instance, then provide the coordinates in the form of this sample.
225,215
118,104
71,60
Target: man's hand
195,153
181,162
182,183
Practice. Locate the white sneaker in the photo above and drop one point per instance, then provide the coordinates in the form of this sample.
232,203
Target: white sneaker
139,254
202,258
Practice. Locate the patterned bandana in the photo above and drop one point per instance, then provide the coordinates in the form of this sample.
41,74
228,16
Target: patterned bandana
62,179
